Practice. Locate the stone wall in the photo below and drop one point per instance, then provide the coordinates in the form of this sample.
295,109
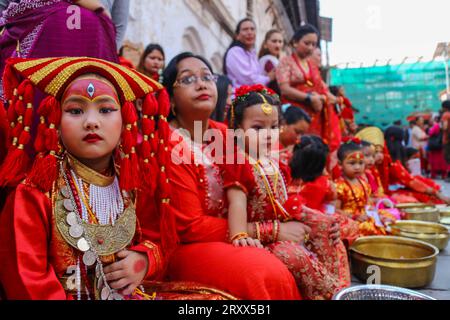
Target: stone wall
202,26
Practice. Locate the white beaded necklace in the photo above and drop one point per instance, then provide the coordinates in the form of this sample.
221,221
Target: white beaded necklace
105,202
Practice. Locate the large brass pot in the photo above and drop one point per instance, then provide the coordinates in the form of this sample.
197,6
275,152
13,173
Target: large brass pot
445,212
402,262
404,206
428,214
432,233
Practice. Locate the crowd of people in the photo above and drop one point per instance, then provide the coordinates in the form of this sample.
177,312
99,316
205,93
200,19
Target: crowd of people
108,194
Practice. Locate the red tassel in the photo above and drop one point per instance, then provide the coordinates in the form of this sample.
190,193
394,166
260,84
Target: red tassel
51,140
10,82
148,127
28,94
150,106
25,138
164,131
127,141
134,172
39,142
4,128
28,117
169,235
129,114
14,168
3,118
54,112
125,178
146,149
164,103
44,172
20,107
11,112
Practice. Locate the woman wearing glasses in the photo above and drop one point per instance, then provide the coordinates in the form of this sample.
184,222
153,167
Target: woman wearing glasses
198,202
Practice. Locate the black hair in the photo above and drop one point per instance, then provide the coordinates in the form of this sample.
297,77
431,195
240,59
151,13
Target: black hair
410,152
171,72
122,48
365,144
309,159
240,104
149,49
303,31
394,140
335,90
222,95
346,148
292,115
235,43
446,105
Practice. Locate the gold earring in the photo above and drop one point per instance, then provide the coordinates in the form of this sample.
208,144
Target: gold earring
173,110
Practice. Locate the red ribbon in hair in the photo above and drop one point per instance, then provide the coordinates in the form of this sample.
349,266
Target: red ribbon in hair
352,139
246,90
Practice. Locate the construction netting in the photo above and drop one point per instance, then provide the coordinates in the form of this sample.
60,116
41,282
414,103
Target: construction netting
384,94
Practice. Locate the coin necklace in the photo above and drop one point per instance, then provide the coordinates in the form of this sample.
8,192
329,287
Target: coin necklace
84,244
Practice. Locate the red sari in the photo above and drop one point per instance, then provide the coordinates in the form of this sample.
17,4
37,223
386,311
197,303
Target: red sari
414,187
316,195
205,256
325,124
320,268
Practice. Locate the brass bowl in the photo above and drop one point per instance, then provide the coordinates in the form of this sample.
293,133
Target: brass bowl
402,262
428,214
446,221
432,233
404,206
445,212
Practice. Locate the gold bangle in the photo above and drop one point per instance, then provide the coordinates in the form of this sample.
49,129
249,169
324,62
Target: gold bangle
240,236
276,227
258,231
306,238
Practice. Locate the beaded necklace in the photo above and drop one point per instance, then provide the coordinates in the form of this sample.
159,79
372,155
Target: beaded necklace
307,76
273,192
360,207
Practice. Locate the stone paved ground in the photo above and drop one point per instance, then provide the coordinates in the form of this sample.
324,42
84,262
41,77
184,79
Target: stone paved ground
440,288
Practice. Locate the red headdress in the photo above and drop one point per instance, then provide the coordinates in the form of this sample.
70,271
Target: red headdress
52,76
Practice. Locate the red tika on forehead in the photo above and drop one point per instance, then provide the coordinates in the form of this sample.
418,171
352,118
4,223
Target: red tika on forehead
91,89
355,156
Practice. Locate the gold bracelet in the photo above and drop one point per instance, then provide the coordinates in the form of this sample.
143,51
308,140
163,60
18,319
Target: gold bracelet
276,227
240,236
258,231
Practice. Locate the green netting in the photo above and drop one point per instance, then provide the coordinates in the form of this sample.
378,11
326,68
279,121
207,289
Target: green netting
388,93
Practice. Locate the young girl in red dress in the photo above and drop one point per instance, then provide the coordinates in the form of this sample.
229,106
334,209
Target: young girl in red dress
257,192
313,185
388,172
70,230
354,193
388,214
